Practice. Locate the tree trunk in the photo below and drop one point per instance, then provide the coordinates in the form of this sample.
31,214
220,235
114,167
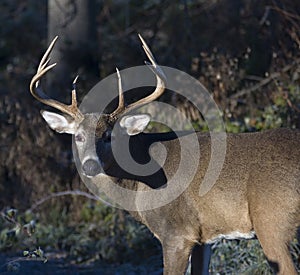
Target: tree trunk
74,22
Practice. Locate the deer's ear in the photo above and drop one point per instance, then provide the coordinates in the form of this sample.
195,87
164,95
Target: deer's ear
135,124
59,123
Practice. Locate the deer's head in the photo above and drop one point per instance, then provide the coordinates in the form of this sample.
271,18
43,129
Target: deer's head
94,142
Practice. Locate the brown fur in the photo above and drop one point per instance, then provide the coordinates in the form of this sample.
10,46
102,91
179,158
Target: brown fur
258,189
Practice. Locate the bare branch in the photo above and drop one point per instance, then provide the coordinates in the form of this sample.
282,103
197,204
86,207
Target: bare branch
66,193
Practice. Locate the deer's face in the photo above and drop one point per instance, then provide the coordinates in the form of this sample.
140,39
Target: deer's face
94,136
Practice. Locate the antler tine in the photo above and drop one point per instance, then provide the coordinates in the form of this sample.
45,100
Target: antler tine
121,105
74,99
35,89
160,79
43,61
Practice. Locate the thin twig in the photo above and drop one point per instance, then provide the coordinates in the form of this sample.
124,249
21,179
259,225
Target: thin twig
265,81
66,193
286,13
289,17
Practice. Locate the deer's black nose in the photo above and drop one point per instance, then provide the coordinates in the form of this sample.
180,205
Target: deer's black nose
91,167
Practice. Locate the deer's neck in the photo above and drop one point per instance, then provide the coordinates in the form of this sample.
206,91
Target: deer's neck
139,147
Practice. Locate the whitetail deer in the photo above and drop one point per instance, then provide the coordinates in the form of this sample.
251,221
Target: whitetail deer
257,192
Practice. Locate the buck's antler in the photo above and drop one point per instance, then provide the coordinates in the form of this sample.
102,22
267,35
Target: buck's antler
36,90
160,85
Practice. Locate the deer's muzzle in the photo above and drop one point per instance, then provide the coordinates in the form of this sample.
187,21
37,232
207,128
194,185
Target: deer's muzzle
91,167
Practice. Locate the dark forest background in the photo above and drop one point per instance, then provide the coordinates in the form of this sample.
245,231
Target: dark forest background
246,53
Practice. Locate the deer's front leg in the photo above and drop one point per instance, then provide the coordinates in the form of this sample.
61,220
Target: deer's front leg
176,252
200,259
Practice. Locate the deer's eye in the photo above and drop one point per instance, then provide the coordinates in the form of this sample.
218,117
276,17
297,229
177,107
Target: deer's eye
79,138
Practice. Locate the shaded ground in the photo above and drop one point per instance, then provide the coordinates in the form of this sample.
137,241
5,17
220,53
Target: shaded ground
58,264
